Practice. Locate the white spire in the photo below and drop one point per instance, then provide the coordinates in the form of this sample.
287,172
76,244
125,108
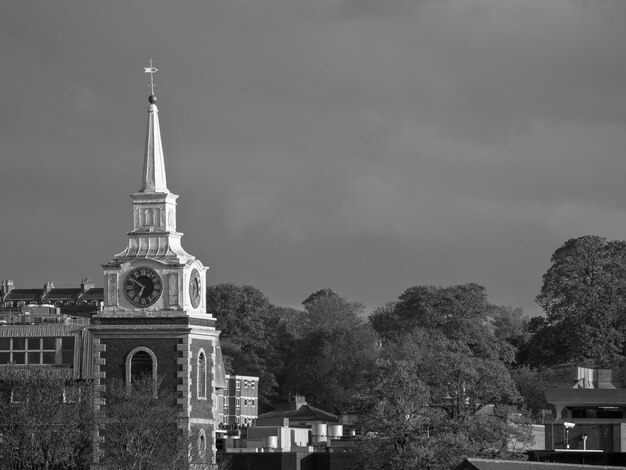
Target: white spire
153,176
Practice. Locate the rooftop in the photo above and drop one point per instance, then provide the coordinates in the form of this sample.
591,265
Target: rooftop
302,414
484,464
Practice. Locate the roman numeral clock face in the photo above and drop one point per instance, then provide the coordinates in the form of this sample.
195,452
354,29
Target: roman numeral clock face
143,286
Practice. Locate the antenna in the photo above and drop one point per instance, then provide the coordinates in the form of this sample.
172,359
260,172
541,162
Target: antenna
151,70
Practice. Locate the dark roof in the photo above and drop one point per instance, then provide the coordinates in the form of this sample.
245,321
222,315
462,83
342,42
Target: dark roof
24,294
96,293
70,293
304,413
484,464
310,412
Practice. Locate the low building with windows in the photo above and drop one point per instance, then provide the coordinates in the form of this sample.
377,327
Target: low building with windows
41,335
297,427
299,414
238,403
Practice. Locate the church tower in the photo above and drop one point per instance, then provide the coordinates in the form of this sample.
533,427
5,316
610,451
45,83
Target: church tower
154,320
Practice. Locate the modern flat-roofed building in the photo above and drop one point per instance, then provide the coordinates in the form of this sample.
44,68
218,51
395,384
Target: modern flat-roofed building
590,415
42,336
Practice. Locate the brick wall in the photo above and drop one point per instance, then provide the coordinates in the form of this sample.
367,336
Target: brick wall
201,408
117,350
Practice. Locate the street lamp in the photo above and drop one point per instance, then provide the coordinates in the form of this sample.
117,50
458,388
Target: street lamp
568,426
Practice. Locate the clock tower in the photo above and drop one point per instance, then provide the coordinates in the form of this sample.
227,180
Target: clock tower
154,320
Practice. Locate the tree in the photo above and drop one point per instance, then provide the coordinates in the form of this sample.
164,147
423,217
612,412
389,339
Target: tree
433,401
329,367
460,382
532,383
294,321
584,297
395,427
327,310
543,346
45,419
332,352
251,332
240,312
139,427
511,325
459,312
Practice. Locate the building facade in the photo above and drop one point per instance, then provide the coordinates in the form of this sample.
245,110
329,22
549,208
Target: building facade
591,415
42,336
239,402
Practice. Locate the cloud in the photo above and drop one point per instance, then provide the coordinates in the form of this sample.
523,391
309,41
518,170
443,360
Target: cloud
379,144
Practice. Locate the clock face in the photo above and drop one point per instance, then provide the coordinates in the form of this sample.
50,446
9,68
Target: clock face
143,286
195,288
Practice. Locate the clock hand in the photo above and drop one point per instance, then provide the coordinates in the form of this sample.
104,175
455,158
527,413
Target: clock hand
138,283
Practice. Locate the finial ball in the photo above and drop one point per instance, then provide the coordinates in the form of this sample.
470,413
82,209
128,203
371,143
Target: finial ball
152,99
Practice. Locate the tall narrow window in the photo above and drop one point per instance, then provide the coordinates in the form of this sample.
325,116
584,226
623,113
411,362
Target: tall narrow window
202,375
149,217
202,445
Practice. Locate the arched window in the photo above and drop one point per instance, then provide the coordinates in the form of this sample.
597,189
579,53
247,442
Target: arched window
141,364
202,369
202,446
149,217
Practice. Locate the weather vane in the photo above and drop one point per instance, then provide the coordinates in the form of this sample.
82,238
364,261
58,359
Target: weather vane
151,70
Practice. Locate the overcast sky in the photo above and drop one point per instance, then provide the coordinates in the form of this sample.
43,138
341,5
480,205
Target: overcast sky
363,145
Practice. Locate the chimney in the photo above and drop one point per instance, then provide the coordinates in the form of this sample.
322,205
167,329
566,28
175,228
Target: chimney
7,286
297,402
86,284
